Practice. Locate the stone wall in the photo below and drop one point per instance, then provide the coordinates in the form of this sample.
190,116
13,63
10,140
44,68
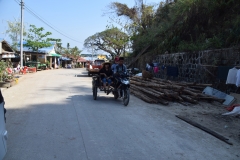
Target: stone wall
201,67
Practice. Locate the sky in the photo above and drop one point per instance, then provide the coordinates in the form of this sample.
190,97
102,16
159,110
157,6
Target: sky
76,19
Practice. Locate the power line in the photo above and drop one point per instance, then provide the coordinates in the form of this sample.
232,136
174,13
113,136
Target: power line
45,22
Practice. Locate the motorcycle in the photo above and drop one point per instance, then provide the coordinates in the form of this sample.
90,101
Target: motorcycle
121,89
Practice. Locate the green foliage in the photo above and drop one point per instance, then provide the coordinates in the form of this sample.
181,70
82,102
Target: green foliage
79,65
138,18
47,63
14,32
36,39
183,25
112,40
3,67
58,48
74,53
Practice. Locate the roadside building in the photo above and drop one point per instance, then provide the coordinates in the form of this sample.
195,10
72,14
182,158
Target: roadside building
42,56
7,53
82,62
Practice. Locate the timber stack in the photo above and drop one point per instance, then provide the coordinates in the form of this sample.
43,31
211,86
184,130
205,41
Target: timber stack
162,91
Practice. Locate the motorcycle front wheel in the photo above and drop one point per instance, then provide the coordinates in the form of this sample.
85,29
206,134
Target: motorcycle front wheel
115,93
126,97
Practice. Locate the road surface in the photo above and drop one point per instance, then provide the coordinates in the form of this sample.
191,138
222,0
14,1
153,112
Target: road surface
52,115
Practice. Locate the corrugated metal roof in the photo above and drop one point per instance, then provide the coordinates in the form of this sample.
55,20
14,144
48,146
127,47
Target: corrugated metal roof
6,48
81,60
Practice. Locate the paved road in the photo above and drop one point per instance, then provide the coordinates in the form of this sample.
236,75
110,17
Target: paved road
51,115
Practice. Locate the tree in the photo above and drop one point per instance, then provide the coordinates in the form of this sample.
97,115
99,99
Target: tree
112,41
75,53
68,45
59,49
14,32
141,16
72,52
36,39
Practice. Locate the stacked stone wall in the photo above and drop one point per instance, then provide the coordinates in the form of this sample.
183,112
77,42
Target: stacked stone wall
201,67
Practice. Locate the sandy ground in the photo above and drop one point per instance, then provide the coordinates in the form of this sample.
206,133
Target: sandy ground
210,115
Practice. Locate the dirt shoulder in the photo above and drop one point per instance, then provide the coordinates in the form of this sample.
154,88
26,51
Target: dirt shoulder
210,116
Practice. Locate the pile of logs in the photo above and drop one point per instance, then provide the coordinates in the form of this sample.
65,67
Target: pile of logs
157,90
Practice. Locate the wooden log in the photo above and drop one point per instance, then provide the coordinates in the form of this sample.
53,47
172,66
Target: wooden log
154,91
151,94
168,93
180,91
146,91
205,96
168,98
168,85
163,82
194,84
154,85
159,79
188,99
193,90
139,79
147,85
198,87
142,96
182,83
224,139
186,91
162,101
180,99
135,79
212,99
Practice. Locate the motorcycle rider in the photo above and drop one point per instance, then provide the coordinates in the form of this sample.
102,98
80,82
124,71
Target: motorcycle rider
114,64
119,68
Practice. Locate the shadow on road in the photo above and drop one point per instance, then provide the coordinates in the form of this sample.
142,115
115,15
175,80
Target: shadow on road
43,125
81,75
101,99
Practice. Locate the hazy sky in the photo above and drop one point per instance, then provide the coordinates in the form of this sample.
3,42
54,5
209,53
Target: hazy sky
77,19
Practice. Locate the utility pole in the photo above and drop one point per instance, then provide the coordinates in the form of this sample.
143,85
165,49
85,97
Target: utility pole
21,43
